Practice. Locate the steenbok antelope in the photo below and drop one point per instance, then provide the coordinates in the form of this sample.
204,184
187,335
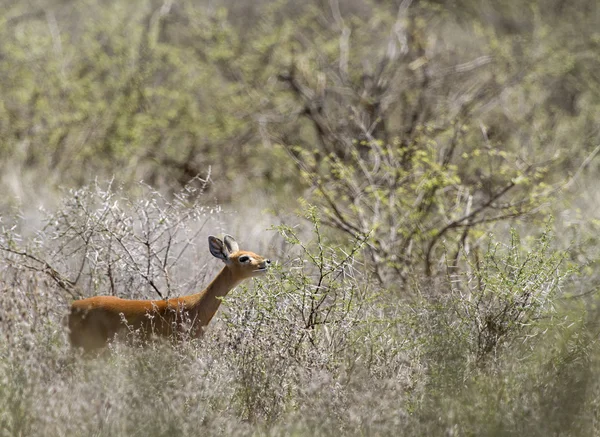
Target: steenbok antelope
96,320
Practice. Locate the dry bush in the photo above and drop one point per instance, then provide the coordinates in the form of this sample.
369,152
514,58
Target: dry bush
292,337
317,346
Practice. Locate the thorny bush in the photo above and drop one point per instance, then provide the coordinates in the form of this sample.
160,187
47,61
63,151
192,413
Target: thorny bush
314,347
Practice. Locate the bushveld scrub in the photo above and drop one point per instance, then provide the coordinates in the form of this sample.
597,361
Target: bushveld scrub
315,347
162,90
415,122
420,291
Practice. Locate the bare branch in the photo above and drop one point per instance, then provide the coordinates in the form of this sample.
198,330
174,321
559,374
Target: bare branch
64,283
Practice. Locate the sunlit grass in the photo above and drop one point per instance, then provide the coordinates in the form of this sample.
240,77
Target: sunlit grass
317,347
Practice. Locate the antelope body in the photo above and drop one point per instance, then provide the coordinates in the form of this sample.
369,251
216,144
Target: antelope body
94,321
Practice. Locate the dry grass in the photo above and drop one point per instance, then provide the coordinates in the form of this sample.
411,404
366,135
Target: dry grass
315,348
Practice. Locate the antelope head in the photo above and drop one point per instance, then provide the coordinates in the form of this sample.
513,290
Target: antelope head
241,263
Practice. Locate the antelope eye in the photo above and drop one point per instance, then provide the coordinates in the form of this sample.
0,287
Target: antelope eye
244,258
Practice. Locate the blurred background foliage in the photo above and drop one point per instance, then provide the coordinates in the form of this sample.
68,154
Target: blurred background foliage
420,122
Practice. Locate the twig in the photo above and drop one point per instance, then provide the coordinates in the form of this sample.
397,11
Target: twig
583,165
64,283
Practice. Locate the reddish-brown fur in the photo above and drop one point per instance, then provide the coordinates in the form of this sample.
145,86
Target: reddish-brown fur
94,321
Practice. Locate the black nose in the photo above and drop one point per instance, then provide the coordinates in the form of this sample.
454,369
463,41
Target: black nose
268,261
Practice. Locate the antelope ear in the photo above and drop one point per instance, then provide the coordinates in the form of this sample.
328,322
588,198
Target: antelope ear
218,249
231,244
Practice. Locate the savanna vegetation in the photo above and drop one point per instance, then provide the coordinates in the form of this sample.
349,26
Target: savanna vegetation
422,172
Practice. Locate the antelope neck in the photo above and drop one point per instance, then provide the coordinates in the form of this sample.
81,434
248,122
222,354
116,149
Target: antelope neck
207,302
